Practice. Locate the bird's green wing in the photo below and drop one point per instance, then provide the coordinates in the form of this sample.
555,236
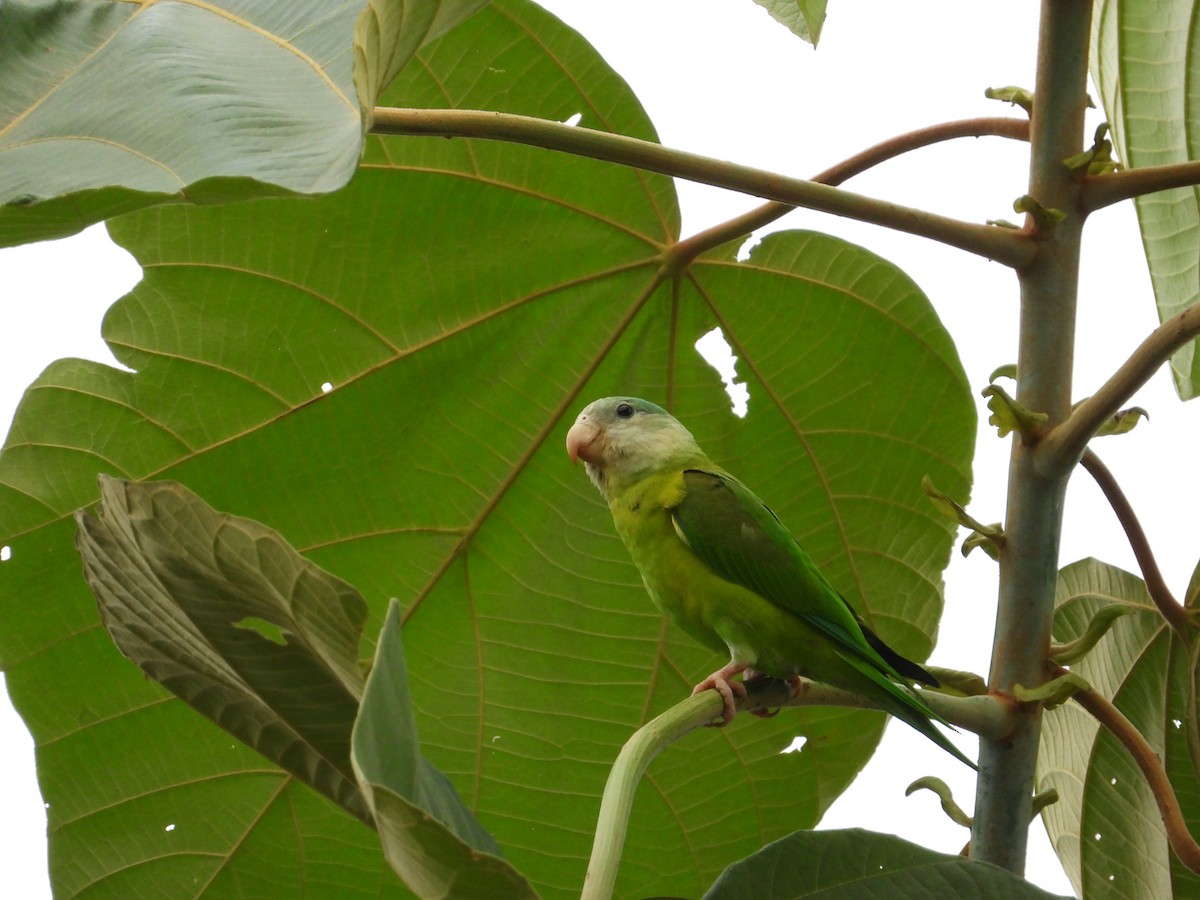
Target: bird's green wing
740,539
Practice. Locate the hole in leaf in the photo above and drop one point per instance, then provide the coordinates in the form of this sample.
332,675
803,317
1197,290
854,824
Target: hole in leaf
5,553
717,353
263,628
170,827
326,387
747,246
1178,723
573,120
796,745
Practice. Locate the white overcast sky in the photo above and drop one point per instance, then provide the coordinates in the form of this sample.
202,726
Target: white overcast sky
720,78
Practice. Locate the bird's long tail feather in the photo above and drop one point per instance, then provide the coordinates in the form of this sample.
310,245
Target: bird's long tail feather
907,706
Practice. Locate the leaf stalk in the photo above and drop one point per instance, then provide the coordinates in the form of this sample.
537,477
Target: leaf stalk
1100,191
1061,447
761,216
1012,248
1176,616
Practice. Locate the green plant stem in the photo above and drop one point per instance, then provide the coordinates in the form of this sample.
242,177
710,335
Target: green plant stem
1100,191
740,226
1012,248
617,801
1114,721
1029,559
984,715
1059,450
1175,615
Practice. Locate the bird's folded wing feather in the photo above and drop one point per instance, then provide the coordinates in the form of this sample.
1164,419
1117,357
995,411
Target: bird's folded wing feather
740,539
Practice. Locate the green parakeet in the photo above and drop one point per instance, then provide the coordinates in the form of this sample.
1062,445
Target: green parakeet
719,563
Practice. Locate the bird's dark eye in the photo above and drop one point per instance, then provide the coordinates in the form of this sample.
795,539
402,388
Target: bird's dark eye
625,410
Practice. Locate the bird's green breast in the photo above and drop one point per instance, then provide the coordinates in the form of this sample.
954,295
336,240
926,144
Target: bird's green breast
723,616
726,617
673,575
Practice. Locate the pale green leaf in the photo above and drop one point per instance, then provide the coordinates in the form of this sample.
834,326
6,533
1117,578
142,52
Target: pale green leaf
1144,61
853,864
111,106
1106,827
803,18
430,838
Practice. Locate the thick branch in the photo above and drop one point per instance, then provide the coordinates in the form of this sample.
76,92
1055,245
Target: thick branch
1033,526
1003,245
1099,191
996,126
1143,754
1062,446
1156,586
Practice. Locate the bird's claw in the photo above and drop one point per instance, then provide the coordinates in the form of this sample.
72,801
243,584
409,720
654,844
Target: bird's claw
730,691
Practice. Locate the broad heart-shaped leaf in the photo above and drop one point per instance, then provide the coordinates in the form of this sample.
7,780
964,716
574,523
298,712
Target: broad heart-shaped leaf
462,300
851,863
111,106
228,617
1144,56
1105,827
429,836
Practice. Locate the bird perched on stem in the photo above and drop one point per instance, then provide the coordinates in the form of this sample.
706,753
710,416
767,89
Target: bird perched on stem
719,563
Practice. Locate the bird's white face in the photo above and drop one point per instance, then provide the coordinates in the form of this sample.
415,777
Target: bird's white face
621,439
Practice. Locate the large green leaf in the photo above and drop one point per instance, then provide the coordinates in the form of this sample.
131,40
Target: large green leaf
1144,61
460,301
1105,826
852,864
111,106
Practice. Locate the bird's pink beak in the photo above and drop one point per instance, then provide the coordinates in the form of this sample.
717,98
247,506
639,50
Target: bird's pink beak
583,443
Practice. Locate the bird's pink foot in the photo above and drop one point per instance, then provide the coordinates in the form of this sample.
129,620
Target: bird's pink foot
729,690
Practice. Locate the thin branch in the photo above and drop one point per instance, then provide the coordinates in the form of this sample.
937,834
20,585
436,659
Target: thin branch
993,126
1010,247
1114,721
1175,614
1063,445
987,715
984,126
1099,191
